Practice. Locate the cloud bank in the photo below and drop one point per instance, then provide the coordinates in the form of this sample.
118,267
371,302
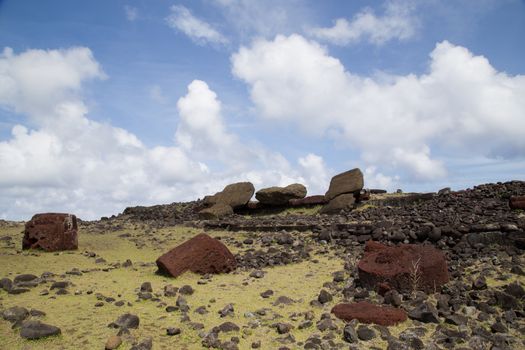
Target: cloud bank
68,162
461,107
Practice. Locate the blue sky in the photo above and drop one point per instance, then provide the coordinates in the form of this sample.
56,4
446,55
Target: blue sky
106,104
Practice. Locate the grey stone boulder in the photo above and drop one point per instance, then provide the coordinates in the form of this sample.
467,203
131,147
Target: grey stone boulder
350,181
215,212
235,195
343,201
280,195
37,330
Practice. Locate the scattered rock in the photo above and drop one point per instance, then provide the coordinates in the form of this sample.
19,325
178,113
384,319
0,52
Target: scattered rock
173,331
113,342
424,312
186,290
127,321
324,297
15,314
364,333
146,287
37,330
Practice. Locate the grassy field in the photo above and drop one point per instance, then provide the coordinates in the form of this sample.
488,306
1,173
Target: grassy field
85,326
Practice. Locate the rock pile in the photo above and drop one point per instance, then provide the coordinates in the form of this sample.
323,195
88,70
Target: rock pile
407,267
51,232
202,254
343,191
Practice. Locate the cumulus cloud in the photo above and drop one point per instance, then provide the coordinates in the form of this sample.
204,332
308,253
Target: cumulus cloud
201,32
315,173
68,162
461,106
397,22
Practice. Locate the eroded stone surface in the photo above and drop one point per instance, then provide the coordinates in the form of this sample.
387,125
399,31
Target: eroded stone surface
366,312
202,254
404,267
51,232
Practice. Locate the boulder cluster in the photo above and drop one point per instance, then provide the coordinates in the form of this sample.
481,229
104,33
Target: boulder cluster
344,190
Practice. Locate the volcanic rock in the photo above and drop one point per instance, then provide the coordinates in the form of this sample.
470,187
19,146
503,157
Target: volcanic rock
404,267
366,312
235,195
202,254
348,182
517,202
216,211
51,232
343,201
37,330
280,195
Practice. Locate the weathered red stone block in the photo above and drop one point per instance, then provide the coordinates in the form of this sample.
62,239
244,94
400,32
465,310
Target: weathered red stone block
366,312
403,267
202,254
51,232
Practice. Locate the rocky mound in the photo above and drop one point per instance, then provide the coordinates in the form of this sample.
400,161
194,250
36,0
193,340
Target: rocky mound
202,254
51,232
366,312
407,267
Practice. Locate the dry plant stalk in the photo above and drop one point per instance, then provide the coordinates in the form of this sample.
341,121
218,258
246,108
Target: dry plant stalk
415,275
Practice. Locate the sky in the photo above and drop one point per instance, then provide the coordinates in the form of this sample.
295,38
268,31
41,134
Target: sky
108,104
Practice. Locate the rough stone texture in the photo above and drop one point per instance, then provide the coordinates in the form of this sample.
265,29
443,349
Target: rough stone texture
280,195
350,181
306,201
398,265
216,211
517,202
51,232
366,312
336,205
235,195
202,254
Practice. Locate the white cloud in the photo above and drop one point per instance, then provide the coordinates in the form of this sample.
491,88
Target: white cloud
315,172
35,81
132,13
461,106
181,19
68,162
201,126
398,22
261,18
